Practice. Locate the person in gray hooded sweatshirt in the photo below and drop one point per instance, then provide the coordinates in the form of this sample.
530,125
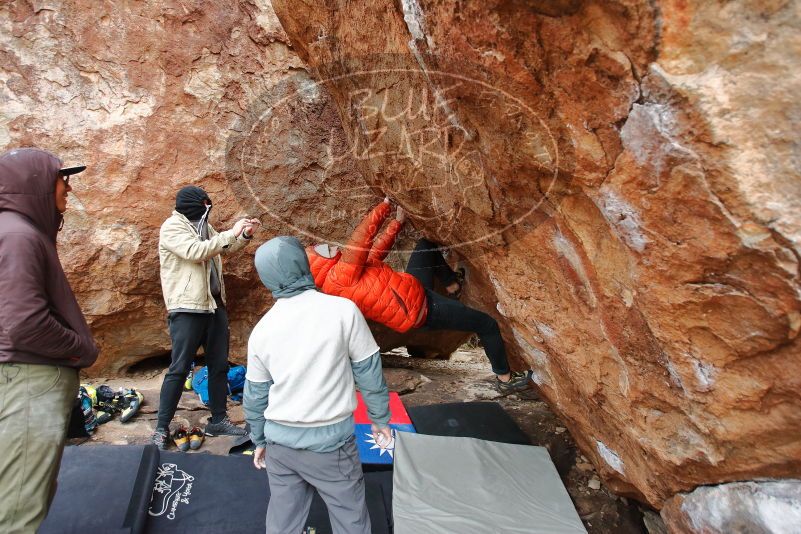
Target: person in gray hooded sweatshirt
304,357
44,338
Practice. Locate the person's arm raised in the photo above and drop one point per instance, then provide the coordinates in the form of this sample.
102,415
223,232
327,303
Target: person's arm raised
384,243
248,231
186,244
349,269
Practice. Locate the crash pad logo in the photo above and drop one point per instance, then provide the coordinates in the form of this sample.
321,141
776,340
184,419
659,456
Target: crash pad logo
172,488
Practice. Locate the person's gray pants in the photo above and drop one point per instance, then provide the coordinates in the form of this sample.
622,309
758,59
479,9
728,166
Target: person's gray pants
336,475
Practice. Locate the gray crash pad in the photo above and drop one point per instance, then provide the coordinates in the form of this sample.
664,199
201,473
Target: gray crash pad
472,486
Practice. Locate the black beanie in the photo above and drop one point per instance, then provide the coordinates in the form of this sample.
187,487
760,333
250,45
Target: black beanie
189,202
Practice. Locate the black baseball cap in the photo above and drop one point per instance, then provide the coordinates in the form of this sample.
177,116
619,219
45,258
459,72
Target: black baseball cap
67,171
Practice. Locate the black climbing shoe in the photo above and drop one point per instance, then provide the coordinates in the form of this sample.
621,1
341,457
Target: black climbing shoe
519,381
459,275
223,428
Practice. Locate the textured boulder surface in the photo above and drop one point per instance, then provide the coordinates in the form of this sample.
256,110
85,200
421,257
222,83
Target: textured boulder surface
766,506
153,96
621,179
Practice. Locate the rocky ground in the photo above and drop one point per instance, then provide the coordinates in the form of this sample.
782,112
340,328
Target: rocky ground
463,378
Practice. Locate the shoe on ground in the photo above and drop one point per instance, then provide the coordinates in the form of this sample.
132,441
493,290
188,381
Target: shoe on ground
130,402
181,439
160,438
106,411
223,428
519,381
196,437
103,415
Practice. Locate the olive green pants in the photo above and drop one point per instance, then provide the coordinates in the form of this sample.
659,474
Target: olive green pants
35,406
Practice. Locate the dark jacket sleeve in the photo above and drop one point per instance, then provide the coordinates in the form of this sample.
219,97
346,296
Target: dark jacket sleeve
25,315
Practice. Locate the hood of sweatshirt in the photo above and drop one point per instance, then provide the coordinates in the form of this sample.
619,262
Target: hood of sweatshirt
27,186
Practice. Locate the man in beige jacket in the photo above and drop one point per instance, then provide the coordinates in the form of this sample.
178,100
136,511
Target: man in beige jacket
192,284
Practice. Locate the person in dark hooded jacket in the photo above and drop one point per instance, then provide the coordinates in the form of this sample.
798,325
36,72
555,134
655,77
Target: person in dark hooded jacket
44,338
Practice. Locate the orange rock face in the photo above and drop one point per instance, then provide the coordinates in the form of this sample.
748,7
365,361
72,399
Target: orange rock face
152,98
620,178
622,181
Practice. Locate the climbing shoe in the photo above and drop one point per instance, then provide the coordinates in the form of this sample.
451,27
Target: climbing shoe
195,438
223,428
181,439
519,381
129,400
459,275
103,417
105,412
159,438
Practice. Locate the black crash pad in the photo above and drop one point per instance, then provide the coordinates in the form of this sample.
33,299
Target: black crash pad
137,489
103,488
482,420
202,493
108,489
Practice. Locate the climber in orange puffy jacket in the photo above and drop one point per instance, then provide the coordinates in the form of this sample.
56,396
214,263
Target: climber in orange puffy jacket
407,300
359,273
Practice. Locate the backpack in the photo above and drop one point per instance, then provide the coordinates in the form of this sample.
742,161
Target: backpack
87,410
236,378
236,382
200,384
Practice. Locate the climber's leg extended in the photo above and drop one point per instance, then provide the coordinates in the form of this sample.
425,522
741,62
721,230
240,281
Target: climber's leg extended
449,314
427,262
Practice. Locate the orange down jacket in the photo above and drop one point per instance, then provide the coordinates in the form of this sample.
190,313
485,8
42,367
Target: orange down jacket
359,273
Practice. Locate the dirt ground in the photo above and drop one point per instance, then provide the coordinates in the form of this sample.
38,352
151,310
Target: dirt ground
465,377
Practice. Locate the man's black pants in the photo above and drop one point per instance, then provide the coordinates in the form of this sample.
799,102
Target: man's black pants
188,332
426,263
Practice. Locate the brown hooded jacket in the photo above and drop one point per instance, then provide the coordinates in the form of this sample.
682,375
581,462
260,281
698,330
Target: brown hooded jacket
40,321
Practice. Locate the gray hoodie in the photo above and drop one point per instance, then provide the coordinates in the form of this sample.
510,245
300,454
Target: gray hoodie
283,267
40,320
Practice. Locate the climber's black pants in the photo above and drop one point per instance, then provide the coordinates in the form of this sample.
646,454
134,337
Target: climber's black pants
188,332
445,313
